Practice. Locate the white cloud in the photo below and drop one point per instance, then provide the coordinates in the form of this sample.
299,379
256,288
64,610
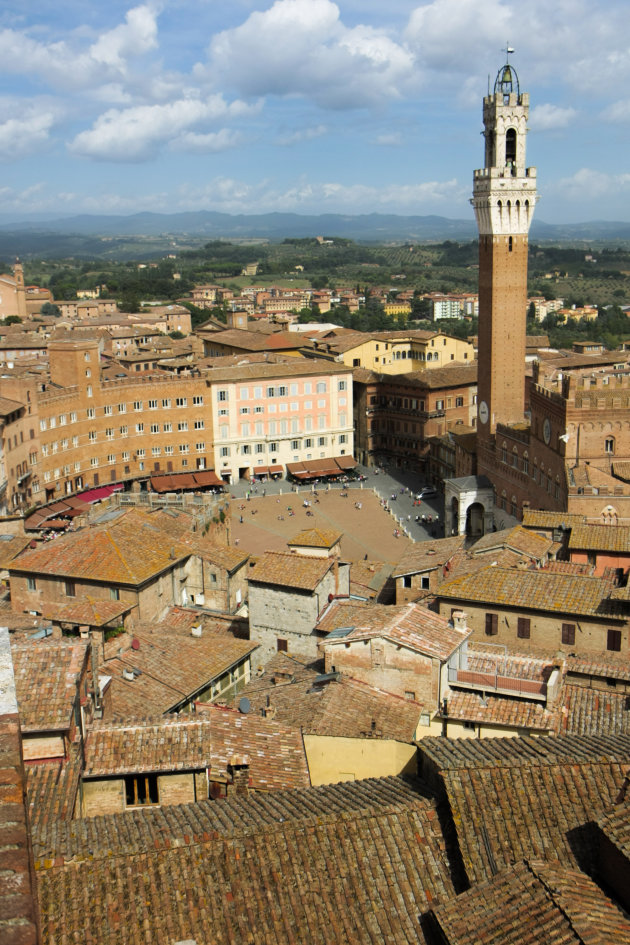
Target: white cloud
550,117
135,134
65,66
302,134
449,35
211,143
303,196
24,128
618,112
393,140
588,184
301,47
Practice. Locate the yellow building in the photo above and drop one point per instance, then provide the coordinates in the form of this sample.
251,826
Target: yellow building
394,352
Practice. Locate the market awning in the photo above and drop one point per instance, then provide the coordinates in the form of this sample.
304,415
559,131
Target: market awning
207,477
346,462
175,482
102,492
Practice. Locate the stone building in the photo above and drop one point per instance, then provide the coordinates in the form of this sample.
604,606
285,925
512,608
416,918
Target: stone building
287,595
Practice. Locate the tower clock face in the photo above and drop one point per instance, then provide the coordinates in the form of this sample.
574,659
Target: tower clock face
483,412
547,430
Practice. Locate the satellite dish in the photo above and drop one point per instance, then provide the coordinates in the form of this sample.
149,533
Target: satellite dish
244,705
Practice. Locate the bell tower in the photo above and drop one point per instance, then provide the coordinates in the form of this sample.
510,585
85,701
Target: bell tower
504,196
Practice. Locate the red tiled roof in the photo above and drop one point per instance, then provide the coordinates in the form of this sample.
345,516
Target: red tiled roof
47,675
209,740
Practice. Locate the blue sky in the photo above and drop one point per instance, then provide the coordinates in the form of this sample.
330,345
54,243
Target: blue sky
309,106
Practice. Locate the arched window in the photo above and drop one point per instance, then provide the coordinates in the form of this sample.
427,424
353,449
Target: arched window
510,245
504,455
526,463
609,445
510,147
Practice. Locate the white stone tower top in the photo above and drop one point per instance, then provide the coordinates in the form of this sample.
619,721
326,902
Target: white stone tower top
504,190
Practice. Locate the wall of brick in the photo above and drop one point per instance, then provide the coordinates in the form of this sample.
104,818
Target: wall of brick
385,666
176,788
102,797
545,630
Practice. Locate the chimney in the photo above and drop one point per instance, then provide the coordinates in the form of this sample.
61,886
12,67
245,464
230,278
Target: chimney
238,767
459,620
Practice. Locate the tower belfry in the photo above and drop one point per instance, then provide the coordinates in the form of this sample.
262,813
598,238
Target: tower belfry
504,196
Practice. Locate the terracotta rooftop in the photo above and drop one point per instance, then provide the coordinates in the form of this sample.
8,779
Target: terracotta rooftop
173,664
535,518
532,902
124,552
408,625
47,675
604,666
519,539
316,538
52,789
615,824
339,707
486,709
85,610
362,878
614,538
530,590
369,578
526,800
587,711
289,570
425,555
276,753
161,828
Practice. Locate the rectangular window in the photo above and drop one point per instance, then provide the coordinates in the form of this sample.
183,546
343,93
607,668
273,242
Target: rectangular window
183,447
111,459
614,641
282,645
155,451
167,427
199,424
198,400
222,395
124,431
168,450
141,790
137,405
341,385
523,627
92,436
90,412
181,401
153,405
224,451
122,408
200,447
155,428
295,444
568,633
492,625
139,427
109,433
166,402
182,426
70,588
31,584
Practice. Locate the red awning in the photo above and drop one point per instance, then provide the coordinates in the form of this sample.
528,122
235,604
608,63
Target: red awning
102,492
346,462
274,470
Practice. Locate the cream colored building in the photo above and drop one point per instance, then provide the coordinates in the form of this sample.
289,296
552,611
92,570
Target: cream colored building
394,352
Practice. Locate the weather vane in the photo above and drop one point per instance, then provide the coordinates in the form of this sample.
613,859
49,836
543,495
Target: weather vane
508,50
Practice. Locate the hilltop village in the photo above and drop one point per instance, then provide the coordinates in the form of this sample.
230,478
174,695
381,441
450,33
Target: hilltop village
312,634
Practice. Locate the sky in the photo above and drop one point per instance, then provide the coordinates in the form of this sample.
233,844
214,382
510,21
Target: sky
305,106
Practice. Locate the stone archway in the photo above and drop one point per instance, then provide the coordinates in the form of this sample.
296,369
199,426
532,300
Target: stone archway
461,495
475,521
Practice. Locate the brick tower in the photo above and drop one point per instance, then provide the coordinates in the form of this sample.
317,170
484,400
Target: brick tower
504,196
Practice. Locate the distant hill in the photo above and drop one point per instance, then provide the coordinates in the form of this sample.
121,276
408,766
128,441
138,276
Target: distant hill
83,235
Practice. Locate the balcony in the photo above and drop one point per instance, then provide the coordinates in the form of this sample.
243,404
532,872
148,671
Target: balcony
489,670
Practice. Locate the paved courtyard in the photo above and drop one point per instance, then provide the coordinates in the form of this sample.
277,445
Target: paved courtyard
275,513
